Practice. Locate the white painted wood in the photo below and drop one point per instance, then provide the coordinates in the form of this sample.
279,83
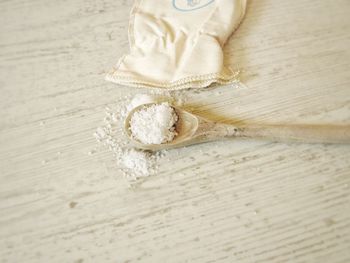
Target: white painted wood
238,201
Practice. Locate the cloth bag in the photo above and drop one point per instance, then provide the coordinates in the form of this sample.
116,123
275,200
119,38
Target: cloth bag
177,44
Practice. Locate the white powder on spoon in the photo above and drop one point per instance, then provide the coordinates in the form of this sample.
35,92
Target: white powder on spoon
135,163
132,162
154,124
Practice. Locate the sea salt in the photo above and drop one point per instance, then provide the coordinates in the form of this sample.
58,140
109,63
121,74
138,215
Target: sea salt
132,162
138,162
154,124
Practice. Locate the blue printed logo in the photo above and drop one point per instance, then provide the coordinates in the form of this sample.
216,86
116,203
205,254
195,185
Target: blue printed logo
191,5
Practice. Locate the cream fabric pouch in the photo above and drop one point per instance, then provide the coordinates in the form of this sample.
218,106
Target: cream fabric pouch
177,44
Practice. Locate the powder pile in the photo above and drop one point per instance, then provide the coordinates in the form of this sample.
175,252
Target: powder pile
133,163
154,124
141,163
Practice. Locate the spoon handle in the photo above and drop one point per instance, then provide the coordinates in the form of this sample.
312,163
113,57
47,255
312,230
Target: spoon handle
298,133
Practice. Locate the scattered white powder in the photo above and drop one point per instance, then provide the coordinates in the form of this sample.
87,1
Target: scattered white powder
154,124
140,162
133,163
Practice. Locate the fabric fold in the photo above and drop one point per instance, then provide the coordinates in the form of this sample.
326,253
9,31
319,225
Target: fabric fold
178,44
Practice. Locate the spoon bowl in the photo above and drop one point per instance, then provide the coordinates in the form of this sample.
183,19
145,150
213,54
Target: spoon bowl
186,126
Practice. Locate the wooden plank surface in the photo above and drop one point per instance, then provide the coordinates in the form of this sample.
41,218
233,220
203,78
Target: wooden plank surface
237,201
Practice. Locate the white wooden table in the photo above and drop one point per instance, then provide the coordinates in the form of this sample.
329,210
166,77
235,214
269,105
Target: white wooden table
238,201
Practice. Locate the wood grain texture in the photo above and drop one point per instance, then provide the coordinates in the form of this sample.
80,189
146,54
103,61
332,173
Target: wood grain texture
236,201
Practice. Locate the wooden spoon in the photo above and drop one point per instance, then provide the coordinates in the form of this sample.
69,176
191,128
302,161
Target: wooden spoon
193,129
